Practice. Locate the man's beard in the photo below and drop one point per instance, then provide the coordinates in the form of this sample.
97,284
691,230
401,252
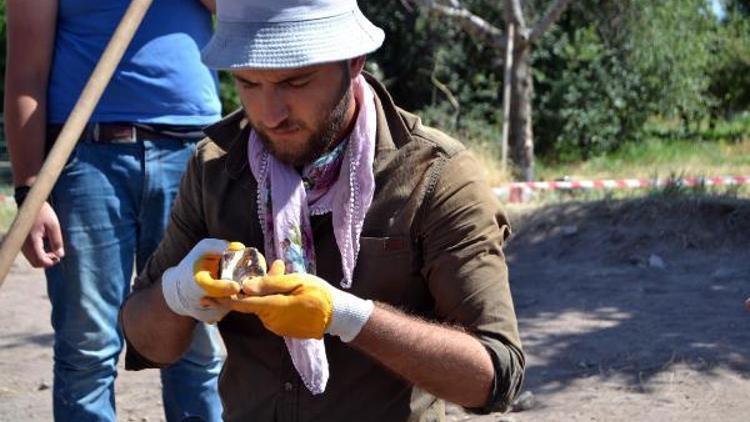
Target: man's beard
322,140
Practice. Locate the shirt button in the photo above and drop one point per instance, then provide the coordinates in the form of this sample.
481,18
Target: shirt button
288,386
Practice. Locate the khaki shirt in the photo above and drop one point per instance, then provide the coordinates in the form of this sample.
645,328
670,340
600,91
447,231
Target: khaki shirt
431,245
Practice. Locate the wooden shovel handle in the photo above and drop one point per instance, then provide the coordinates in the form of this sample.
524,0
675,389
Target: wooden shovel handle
70,133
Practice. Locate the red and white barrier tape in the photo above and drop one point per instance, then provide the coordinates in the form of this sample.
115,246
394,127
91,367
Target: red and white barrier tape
523,191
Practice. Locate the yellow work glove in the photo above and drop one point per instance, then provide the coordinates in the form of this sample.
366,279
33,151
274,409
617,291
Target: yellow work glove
206,271
300,305
196,276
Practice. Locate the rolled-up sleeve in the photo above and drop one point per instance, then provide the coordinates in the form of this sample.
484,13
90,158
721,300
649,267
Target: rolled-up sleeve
463,231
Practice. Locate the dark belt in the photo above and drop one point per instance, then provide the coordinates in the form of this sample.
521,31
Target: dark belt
126,133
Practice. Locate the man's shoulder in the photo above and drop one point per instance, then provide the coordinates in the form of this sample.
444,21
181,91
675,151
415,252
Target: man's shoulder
406,130
208,160
221,136
207,149
434,137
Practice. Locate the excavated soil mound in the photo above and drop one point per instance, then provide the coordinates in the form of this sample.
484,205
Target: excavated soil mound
633,310
628,310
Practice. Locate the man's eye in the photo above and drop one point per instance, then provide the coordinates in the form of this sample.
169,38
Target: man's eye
247,84
299,83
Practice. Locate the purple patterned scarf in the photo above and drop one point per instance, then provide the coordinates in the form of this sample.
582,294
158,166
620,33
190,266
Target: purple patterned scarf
340,182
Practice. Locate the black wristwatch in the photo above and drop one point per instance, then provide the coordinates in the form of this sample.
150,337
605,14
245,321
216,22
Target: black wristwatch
20,194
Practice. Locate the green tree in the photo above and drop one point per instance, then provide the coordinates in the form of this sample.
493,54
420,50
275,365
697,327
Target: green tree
730,72
493,26
589,99
672,50
737,8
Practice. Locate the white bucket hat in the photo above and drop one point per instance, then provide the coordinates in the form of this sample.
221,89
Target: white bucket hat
277,34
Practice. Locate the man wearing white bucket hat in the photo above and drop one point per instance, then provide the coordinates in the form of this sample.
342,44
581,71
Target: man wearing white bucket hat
382,234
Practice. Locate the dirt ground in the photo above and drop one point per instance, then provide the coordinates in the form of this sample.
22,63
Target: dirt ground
629,311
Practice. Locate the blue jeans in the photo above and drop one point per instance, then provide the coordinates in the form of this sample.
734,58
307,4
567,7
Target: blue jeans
113,203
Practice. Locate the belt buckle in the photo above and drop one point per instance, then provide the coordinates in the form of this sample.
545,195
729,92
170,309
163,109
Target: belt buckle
114,134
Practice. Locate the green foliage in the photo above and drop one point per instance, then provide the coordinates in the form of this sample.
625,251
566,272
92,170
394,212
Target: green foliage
730,75
737,7
600,72
672,40
588,98
665,149
436,67
230,99
407,59
609,65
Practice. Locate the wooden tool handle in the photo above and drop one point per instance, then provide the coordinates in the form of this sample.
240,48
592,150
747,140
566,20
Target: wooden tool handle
70,133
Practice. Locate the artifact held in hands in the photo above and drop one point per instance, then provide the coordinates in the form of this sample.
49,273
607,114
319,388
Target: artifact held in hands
241,264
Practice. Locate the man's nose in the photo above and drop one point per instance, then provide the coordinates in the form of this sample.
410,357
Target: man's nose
274,109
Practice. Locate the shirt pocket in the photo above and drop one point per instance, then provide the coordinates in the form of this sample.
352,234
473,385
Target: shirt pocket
384,269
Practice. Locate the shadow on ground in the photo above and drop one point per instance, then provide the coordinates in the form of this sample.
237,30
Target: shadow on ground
627,289
22,340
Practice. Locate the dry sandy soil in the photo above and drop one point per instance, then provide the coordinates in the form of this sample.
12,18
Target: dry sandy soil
629,311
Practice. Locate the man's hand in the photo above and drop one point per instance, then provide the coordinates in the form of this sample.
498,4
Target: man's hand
46,226
196,276
747,304
300,305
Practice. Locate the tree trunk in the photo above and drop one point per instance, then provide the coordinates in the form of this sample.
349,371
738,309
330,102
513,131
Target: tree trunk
521,134
507,78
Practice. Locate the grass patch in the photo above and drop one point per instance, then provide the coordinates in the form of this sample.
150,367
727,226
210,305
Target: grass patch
665,151
656,157
666,191
7,208
488,157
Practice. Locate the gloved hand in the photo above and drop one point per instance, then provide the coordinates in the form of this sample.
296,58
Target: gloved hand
300,305
196,276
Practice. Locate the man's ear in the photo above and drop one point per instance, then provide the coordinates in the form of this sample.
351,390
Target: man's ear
356,65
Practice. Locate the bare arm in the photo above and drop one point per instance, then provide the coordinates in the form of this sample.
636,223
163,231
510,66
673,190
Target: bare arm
444,361
157,333
31,38
465,270
210,5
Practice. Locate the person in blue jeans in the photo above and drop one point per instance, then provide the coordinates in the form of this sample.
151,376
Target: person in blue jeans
110,206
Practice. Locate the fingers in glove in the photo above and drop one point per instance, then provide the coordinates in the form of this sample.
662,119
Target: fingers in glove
236,246
270,284
277,268
208,262
213,303
291,316
216,287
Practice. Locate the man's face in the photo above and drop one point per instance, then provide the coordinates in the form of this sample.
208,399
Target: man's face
298,113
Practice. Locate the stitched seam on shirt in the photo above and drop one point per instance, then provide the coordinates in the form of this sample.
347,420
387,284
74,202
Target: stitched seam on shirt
435,171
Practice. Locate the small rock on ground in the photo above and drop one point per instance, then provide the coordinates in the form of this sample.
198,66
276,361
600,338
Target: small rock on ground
525,401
